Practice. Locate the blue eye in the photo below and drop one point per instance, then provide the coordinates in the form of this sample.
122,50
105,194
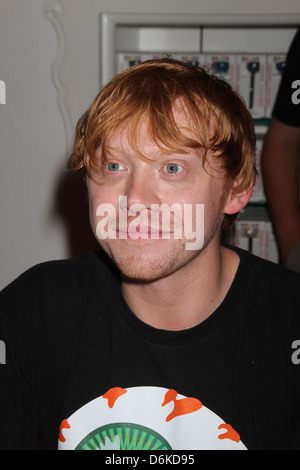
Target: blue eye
173,168
114,166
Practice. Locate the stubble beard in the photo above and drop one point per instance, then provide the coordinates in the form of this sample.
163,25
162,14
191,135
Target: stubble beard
146,264
139,264
143,266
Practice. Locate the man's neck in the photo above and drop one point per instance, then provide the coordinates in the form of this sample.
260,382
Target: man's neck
187,297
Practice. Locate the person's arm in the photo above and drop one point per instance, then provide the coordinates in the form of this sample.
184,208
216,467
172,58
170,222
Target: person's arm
280,156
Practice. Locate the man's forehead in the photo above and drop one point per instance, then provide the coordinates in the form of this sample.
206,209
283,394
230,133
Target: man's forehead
143,134
126,141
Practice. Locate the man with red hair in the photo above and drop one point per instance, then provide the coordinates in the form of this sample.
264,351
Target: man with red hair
148,342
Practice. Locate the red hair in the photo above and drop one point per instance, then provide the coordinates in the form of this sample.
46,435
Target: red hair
153,90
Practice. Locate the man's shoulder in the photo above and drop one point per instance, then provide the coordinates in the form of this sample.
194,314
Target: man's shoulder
270,279
59,277
265,265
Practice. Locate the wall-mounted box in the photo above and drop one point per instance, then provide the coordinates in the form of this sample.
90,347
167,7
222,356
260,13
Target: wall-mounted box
247,40
190,34
223,66
158,38
127,60
275,67
250,82
197,60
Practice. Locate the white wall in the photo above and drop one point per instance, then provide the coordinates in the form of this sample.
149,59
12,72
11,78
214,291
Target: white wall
41,216
32,141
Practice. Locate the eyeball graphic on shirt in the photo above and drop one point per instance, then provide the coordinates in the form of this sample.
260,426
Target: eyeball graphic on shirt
146,418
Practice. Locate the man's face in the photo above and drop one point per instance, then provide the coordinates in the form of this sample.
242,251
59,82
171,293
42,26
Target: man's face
162,179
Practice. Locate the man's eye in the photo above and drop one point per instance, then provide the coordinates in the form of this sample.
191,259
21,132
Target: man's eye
173,168
114,166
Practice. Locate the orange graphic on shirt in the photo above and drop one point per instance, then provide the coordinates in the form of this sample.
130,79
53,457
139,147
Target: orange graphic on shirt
182,406
64,425
113,394
229,434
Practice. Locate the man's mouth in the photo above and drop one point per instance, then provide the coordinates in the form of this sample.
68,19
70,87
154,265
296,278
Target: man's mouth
141,232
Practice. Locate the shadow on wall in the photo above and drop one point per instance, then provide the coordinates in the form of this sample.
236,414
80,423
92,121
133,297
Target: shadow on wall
71,206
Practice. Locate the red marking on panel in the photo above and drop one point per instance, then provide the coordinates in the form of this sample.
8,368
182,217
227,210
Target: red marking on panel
113,394
64,425
182,406
229,434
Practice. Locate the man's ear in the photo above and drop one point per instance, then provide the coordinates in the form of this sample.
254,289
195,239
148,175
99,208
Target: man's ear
237,200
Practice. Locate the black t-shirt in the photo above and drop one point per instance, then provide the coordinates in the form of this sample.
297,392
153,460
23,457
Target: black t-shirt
82,372
287,104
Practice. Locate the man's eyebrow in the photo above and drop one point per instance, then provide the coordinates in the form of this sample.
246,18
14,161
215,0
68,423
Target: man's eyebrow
112,151
158,153
109,153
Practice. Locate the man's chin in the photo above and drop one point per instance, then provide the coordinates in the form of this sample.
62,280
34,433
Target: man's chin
149,267
142,270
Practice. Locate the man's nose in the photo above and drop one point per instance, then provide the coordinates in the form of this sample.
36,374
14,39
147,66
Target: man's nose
141,189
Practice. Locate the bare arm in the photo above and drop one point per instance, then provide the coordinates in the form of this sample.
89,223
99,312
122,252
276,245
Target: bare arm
280,155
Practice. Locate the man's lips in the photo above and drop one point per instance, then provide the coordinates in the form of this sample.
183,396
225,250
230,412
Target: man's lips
139,231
